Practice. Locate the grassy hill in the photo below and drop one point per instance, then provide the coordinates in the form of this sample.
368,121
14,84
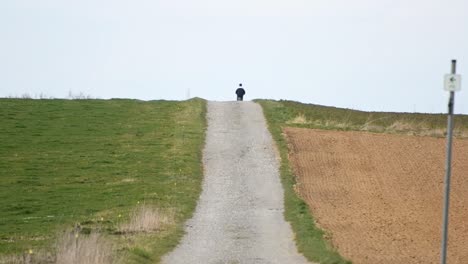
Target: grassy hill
310,239
97,166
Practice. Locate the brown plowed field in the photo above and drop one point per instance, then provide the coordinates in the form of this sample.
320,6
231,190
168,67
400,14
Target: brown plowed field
380,196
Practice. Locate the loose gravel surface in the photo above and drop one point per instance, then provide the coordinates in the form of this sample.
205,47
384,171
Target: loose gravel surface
239,217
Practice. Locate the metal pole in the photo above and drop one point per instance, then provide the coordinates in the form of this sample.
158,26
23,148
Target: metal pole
448,168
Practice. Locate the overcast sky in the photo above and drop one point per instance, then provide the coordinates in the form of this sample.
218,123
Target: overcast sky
386,55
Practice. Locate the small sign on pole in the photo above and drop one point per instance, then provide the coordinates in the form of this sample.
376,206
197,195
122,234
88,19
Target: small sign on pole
452,84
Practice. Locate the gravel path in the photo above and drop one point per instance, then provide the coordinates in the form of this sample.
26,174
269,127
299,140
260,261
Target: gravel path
239,217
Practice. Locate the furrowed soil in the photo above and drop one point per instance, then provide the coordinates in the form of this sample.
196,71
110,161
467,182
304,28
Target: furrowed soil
379,196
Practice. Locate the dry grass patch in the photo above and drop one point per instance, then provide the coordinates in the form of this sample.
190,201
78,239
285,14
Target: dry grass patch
28,258
423,129
148,219
84,249
128,180
71,248
460,132
372,128
299,119
436,132
331,124
405,126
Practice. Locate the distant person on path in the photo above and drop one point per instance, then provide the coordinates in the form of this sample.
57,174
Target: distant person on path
240,93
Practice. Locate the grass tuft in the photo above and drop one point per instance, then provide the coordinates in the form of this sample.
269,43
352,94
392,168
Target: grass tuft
299,119
74,248
147,219
29,257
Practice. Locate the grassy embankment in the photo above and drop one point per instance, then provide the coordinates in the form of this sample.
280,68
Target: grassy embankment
311,240
91,164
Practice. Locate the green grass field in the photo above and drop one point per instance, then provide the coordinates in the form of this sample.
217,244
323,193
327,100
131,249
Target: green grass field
279,114
64,162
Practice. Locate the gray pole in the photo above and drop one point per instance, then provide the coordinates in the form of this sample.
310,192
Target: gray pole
448,168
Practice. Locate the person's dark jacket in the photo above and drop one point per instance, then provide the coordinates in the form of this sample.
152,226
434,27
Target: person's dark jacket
240,92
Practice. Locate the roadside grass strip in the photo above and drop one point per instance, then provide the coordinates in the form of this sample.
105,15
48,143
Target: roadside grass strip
126,172
310,240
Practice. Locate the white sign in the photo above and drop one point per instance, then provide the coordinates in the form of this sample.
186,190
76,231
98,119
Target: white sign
452,82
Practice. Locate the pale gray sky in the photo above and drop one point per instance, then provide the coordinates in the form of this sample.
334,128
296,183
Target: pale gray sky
387,55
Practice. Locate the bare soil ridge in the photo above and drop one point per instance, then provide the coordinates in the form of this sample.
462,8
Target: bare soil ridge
380,196
239,217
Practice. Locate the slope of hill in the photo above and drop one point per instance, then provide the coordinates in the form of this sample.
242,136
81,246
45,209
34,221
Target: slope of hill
98,166
313,242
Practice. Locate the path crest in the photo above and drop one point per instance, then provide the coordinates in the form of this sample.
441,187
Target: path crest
239,217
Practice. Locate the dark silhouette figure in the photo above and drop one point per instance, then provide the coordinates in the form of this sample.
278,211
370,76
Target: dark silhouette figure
240,93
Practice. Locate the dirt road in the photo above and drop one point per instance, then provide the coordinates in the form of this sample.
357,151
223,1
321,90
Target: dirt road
239,217
380,196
